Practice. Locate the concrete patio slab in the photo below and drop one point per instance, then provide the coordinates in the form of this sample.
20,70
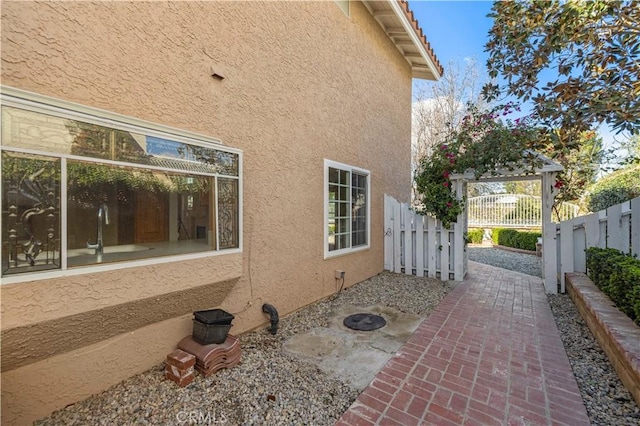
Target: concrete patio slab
354,357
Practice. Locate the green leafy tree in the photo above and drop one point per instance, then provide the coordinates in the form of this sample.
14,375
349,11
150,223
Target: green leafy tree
631,149
594,47
581,166
527,187
615,188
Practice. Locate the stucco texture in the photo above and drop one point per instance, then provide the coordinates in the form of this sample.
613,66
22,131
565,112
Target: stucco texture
302,83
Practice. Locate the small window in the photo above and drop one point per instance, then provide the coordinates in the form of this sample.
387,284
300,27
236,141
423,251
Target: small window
346,209
343,5
81,191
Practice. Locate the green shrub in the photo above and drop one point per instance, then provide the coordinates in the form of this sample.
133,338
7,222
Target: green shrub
524,240
475,236
618,276
616,188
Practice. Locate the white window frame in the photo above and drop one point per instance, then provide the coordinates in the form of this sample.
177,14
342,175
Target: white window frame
30,101
345,167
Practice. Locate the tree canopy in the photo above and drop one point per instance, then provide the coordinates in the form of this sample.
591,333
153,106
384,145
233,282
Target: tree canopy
439,107
594,47
616,188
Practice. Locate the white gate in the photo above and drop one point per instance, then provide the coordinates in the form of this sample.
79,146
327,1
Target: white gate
418,245
513,211
565,243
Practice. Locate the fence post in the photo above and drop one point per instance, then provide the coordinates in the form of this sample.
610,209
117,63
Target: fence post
592,229
579,245
443,252
419,221
550,258
635,227
614,230
388,233
459,229
625,227
397,259
566,251
407,216
431,247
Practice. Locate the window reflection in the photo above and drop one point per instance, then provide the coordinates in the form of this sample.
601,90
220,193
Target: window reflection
129,195
28,129
30,213
145,207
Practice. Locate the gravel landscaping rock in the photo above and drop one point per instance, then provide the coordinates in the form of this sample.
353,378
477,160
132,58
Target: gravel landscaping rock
529,264
267,387
607,401
273,389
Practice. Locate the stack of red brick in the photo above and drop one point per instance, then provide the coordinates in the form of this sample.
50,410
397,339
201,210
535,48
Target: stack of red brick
179,367
214,357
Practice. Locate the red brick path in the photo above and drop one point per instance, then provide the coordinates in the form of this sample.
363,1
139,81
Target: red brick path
489,354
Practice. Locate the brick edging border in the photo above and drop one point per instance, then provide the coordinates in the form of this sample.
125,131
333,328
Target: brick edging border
513,249
618,336
505,248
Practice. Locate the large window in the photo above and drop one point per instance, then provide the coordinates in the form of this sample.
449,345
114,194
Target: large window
346,208
79,189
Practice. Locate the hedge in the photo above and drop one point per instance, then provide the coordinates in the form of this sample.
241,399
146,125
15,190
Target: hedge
474,236
616,188
524,240
618,276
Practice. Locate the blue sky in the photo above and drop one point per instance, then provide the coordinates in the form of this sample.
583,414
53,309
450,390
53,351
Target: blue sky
455,29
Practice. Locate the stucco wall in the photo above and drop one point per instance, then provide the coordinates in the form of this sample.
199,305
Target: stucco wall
303,82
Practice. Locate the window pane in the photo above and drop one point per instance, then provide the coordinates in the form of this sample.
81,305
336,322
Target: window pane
343,241
28,129
182,156
333,192
333,175
333,207
123,213
153,197
30,213
228,213
359,238
343,193
347,209
342,225
344,209
359,210
344,177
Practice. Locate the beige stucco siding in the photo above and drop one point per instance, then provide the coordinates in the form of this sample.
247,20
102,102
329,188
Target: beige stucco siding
302,83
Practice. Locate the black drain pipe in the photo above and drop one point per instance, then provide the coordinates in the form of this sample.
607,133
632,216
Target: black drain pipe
273,313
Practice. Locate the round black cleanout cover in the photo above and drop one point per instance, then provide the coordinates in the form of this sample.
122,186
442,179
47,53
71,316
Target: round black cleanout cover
364,322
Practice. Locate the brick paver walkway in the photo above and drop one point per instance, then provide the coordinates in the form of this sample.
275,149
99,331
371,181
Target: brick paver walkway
489,354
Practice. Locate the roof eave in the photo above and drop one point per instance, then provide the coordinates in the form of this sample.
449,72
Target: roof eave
403,30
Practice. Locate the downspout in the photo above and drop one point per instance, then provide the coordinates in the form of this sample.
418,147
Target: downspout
273,313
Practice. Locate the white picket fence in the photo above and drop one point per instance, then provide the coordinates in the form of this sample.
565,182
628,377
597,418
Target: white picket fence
418,245
565,243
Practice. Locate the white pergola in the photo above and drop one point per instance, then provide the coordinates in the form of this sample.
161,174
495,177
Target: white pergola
547,171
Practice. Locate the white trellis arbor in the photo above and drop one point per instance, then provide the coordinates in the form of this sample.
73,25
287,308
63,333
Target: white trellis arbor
421,245
546,170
